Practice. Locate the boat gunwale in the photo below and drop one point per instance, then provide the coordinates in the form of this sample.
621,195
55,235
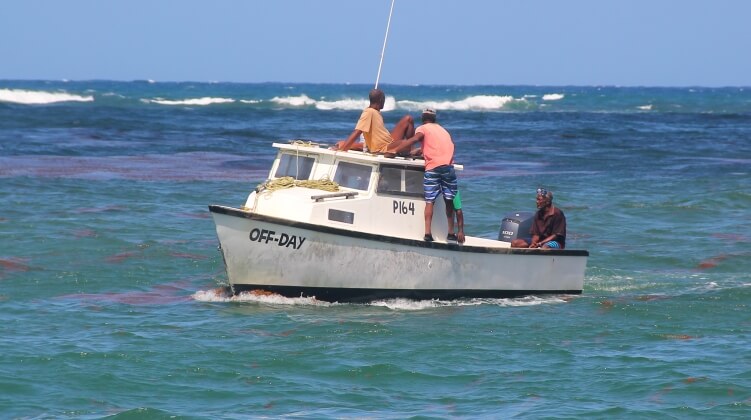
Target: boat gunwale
232,211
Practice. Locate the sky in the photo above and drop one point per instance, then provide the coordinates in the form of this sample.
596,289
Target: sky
463,42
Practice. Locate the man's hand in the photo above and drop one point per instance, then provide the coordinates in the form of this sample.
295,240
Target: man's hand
338,145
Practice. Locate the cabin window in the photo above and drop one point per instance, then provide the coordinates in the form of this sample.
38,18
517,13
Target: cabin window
352,175
400,181
298,167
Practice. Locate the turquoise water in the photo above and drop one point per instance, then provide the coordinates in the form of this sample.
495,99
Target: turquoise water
112,299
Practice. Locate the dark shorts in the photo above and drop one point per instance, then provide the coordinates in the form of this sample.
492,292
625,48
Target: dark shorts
440,180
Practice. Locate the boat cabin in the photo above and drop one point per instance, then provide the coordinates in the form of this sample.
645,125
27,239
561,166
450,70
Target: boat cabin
376,194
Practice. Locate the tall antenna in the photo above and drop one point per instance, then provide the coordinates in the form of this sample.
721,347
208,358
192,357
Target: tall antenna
383,50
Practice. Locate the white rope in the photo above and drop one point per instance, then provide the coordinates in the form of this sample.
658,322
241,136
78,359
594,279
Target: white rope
383,50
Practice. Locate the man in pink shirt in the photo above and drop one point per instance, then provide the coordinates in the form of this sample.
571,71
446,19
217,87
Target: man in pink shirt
440,177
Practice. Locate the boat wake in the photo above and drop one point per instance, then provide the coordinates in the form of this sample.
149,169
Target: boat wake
224,294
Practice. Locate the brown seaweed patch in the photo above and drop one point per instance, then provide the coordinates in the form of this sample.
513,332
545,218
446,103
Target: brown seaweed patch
712,262
158,295
657,396
716,260
649,298
202,215
85,233
731,237
265,333
678,336
122,256
135,298
85,210
188,256
14,264
188,166
607,304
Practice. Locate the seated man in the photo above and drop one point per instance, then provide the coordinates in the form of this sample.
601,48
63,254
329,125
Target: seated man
371,126
548,227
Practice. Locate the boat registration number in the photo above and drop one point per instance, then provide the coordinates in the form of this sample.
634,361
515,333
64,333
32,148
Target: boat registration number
282,239
402,207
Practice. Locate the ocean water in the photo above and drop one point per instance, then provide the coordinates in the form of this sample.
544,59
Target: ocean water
112,291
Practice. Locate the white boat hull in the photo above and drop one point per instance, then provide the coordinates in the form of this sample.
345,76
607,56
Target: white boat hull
301,259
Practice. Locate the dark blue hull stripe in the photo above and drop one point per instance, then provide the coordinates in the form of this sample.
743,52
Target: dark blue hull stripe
357,295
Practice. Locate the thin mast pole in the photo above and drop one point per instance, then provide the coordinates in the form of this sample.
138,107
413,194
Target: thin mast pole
383,50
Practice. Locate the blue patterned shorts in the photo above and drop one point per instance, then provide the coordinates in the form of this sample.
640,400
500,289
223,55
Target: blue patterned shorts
440,180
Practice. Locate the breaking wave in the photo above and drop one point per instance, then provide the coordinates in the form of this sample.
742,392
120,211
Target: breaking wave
470,103
301,100
195,101
32,97
553,97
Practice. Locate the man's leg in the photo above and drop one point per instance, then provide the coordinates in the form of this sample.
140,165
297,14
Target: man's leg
449,189
431,185
450,214
428,221
519,243
404,129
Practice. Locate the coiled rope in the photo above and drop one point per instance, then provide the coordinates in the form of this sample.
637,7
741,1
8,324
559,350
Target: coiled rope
269,186
307,143
284,182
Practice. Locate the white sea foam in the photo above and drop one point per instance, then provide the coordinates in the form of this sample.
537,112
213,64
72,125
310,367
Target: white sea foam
471,103
645,107
195,101
302,100
553,97
31,97
345,104
389,104
223,295
354,104
417,305
250,101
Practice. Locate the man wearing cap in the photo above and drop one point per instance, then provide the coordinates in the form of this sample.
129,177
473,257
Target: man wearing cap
548,227
440,177
371,126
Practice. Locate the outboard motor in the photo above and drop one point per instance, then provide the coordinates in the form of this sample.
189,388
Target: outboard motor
516,225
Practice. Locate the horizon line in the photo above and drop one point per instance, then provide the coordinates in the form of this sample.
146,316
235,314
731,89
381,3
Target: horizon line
66,80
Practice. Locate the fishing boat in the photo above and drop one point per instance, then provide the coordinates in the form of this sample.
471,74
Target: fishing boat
349,227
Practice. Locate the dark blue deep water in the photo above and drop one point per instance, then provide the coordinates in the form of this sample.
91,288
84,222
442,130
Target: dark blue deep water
111,298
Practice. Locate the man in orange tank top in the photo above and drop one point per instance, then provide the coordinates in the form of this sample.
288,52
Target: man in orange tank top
371,126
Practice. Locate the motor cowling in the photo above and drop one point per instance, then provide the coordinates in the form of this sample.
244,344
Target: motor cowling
516,225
